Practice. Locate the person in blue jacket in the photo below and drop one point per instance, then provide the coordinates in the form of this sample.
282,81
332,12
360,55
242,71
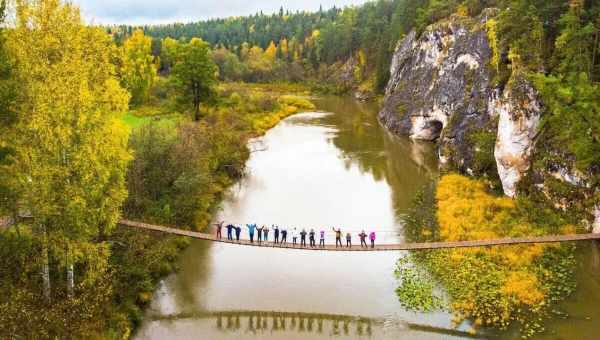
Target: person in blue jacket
238,231
276,232
251,229
230,228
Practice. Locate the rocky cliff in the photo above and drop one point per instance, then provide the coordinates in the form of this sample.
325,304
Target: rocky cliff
441,90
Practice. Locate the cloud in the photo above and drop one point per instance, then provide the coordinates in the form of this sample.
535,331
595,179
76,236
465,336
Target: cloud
164,11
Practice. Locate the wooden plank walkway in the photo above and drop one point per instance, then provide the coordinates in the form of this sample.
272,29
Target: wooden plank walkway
378,247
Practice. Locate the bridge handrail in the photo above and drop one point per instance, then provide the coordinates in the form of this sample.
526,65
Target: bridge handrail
379,247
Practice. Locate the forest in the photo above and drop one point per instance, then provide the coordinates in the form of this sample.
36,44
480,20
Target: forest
316,46
75,155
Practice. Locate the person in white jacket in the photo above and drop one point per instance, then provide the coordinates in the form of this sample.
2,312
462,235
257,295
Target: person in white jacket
294,236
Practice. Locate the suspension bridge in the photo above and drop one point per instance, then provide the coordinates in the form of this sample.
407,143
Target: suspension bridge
377,247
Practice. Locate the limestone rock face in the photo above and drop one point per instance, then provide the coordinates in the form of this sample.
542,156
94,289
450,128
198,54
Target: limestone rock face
519,117
440,90
439,87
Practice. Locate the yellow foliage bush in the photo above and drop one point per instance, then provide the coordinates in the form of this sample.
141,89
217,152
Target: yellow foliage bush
491,27
467,212
495,286
298,102
262,106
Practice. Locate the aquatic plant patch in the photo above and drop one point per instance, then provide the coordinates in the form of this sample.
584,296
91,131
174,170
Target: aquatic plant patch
492,287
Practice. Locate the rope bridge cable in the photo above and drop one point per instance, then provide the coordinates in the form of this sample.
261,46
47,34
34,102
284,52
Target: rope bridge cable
367,227
327,230
379,247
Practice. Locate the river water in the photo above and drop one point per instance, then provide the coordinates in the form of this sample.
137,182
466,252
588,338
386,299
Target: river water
336,167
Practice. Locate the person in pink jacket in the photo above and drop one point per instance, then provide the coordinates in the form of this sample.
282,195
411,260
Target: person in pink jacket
372,238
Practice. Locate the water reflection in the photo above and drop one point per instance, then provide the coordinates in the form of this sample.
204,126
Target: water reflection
329,325
579,316
404,164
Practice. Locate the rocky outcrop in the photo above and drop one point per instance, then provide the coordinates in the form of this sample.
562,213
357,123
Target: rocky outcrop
519,114
346,76
440,89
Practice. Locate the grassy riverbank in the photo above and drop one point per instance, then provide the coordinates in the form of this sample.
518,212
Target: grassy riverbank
491,287
178,176
180,172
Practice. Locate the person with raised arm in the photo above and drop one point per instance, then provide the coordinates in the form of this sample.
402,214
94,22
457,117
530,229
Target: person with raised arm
251,229
363,239
259,234
219,226
230,227
338,237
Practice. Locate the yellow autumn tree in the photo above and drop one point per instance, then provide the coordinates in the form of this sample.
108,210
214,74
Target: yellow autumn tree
271,51
138,71
68,147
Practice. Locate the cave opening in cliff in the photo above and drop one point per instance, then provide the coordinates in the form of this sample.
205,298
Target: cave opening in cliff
435,129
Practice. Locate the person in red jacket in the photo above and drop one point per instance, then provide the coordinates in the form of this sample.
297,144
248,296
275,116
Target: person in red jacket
363,239
372,238
219,226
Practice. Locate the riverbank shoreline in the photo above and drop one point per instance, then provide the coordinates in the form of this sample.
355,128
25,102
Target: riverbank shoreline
267,105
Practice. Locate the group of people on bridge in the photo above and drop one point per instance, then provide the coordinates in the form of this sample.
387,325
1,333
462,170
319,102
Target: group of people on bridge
296,238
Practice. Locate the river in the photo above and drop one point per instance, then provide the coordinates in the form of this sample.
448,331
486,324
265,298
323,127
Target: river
336,167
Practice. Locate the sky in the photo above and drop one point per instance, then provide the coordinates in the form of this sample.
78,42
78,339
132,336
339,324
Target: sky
137,12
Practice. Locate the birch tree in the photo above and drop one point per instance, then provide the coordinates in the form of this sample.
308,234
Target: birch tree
68,148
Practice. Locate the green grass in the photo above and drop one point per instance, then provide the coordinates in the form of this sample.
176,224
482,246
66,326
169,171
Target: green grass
134,121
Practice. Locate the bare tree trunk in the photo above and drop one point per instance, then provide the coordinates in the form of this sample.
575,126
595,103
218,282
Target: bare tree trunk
70,273
45,265
595,53
196,91
196,112
596,223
